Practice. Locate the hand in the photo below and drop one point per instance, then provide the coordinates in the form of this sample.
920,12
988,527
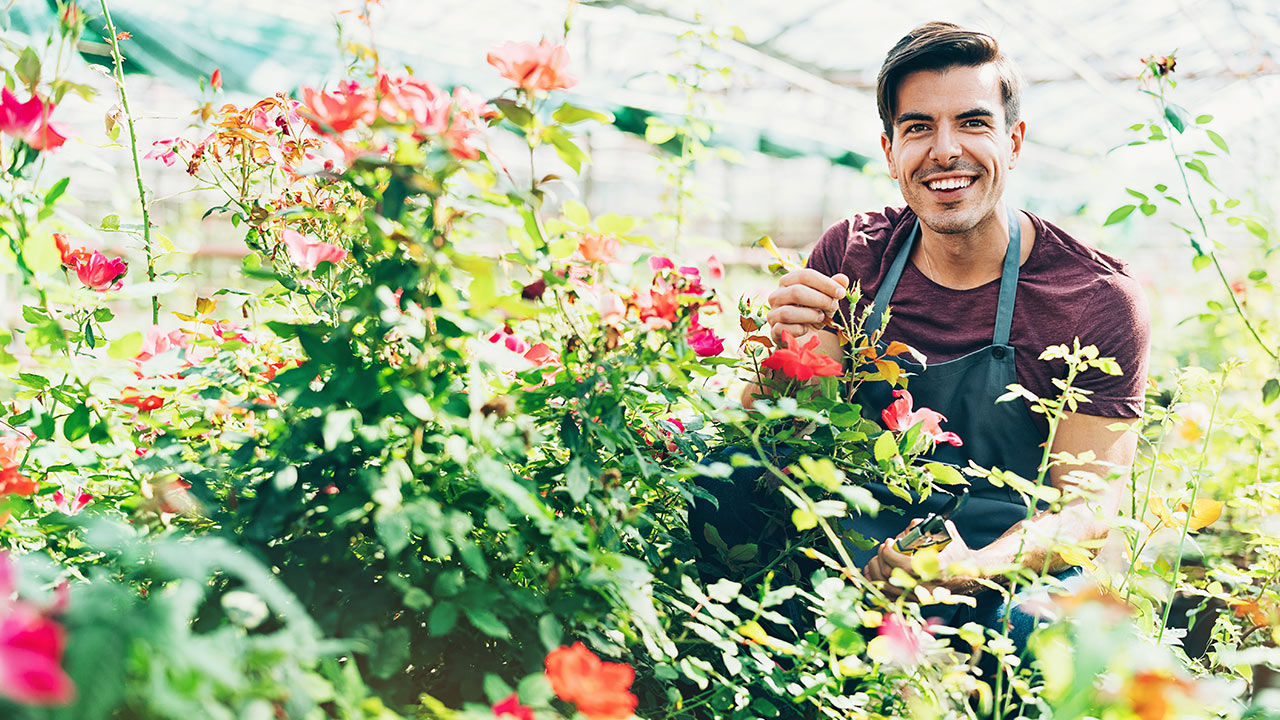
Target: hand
881,567
804,302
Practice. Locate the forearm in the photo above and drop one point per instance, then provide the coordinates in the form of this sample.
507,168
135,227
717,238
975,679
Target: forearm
1029,544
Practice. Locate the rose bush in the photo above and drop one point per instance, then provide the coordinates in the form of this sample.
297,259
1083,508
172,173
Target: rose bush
431,455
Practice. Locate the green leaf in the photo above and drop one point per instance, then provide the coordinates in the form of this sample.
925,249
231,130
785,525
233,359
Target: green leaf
550,632
1119,214
517,114
945,474
76,425
576,213
41,254
486,622
495,688
1201,262
743,552
1202,119
1257,229
28,67
1197,165
886,447
1177,116
56,191
339,427
1217,140
657,133
443,618
577,480
536,689
110,222
570,114
1137,194
125,346
616,224
571,154
1270,391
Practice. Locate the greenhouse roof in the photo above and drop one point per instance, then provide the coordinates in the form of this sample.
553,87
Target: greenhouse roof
802,74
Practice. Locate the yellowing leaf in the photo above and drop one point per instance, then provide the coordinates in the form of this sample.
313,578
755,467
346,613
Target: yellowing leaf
890,370
1075,556
1206,512
803,519
767,243
753,632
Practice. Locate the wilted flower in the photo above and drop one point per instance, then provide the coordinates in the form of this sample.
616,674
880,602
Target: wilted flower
600,690
898,643
533,67
900,416
99,273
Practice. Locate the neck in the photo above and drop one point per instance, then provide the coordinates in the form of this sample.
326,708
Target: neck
966,260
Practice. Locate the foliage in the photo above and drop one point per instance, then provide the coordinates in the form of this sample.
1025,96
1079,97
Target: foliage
454,431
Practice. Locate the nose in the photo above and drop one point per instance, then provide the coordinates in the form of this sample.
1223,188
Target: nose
946,146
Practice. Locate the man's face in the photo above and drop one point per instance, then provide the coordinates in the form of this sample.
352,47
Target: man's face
951,147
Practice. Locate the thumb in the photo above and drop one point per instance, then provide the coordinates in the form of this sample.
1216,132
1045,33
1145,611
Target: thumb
842,279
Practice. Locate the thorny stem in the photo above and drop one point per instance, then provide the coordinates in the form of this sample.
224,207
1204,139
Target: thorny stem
1195,489
118,60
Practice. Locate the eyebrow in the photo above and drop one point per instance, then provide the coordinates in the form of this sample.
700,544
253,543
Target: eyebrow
926,117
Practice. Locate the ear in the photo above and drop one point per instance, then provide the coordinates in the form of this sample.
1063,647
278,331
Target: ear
886,144
1016,135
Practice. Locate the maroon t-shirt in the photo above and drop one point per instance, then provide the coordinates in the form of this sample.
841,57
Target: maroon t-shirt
1066,290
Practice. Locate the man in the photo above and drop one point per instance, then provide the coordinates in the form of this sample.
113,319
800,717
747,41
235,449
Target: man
981,290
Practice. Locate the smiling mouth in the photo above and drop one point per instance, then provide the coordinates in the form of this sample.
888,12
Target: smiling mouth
953,183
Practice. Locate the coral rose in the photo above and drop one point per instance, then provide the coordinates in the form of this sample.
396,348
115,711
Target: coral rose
600,690
533,67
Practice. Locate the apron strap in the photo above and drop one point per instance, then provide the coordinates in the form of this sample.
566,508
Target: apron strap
1008,281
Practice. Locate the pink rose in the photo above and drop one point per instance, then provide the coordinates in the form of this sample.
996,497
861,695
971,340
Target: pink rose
102,274
533,67
307,253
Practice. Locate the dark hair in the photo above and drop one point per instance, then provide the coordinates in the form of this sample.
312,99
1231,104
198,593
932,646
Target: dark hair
937,46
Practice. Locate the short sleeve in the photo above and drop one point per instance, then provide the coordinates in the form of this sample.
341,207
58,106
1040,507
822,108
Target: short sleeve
1117,321
828,255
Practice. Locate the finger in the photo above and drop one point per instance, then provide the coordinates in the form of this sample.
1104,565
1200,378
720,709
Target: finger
796,315
955,535
842,280
798,332
891,558
804,296
814,279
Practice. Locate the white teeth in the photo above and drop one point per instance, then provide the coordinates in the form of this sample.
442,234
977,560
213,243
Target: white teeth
950,183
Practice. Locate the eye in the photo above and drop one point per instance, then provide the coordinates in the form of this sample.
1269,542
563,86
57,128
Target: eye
915,127
976,122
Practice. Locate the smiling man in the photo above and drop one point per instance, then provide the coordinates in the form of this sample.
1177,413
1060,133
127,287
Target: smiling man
981,289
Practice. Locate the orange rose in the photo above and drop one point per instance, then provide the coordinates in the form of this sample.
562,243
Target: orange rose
600,690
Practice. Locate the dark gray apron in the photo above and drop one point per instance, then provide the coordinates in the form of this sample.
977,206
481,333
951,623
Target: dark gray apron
1000,435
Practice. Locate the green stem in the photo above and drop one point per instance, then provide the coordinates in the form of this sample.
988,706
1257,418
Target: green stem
1204,231
118,60
1195,489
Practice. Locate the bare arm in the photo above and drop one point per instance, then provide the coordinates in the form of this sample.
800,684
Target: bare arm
1029,543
